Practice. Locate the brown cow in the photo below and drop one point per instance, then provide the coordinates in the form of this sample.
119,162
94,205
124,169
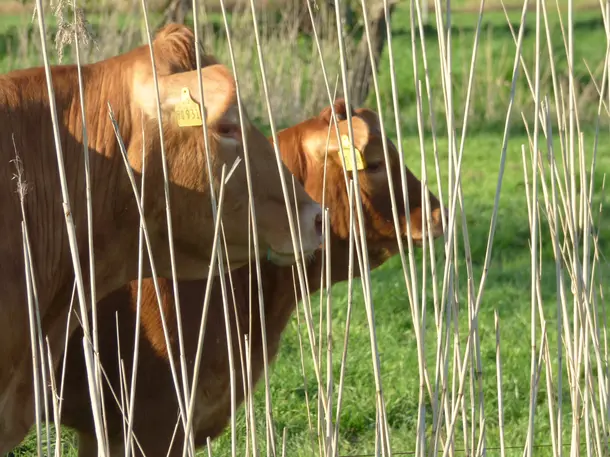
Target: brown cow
156,410
126,83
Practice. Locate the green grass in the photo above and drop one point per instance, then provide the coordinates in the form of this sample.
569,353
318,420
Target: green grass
507,291
508,285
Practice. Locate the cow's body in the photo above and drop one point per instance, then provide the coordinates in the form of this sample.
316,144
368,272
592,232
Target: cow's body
125,82
156,410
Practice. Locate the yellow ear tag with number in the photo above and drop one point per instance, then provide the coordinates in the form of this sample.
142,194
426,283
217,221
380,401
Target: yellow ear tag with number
187,111
347,155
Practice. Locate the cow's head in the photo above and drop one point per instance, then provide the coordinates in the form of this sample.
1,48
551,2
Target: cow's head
185,151
313,136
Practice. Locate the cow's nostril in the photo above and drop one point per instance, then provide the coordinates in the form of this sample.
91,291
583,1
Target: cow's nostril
318,224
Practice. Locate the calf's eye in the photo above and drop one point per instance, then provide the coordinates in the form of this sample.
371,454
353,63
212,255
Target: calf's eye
230,130
375,167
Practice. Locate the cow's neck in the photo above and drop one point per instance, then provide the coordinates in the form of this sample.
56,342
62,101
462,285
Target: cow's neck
44,212
278,282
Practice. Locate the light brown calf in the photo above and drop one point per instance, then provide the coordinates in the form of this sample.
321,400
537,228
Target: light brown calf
126,83
156,410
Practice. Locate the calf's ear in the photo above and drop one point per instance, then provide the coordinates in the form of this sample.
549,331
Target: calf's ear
371,118
315,143
340,111
180,100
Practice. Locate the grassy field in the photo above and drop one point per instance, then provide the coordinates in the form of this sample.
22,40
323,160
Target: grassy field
508,285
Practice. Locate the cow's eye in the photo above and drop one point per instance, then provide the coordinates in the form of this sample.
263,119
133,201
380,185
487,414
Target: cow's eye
230,130
375,167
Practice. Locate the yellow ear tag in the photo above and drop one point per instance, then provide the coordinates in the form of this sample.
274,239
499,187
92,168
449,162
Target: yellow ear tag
347,155
187,111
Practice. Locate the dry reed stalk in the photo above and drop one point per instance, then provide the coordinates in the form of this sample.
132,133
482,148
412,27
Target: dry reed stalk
306,302
144,231
91,370
304,374
499,384
33,308
153,270
136,348
55,404
170,236
288,205
329,448
473,314
33,342
248,401
567,205
302,283
221,270
350,277
89,210
188,434
365,273
534,235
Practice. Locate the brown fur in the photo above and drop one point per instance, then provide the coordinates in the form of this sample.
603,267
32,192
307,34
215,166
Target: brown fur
125,82
156,410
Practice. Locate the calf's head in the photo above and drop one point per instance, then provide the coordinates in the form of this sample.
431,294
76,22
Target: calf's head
373,171
185,148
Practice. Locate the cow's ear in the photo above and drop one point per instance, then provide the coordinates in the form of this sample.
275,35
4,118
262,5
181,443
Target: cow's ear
175,50
315,142
340,111
370,117
180,101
